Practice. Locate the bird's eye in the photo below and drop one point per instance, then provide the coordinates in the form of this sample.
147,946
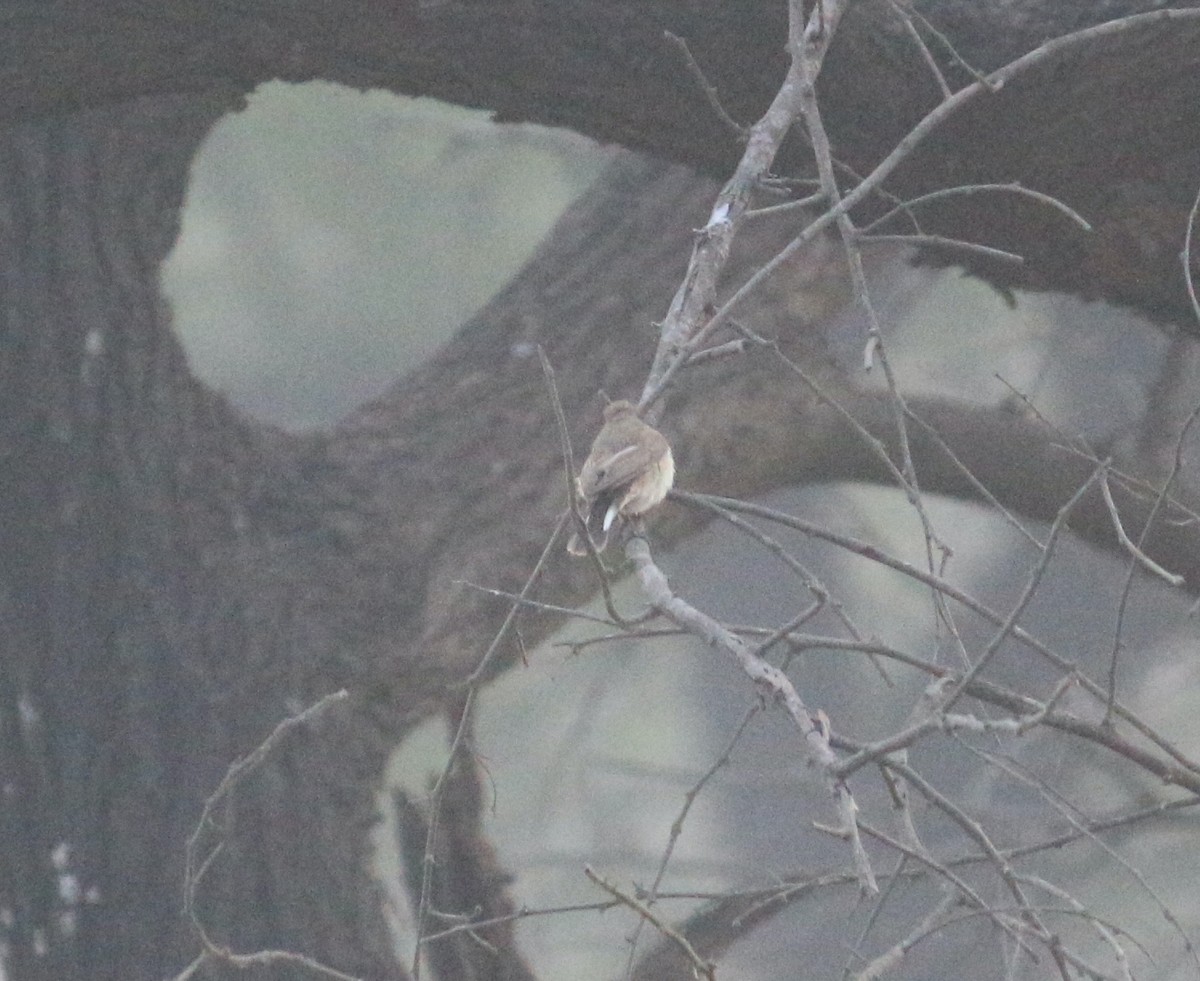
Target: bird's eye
600,474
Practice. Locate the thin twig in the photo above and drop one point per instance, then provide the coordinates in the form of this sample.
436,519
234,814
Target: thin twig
1190,778
781,894
687,322
942,242
1186,256
932,122
1107,932
944,871
677,825
709,90
890,958
975,831
978,485
807,578
195,867
717,352
1077,447
1171,578
926,54
814,124
429,859
960,190
518,602
905,479
700,965
538,605
816,588
1159,498
1089,831
471,684
943,721
946,43
523,913
895,879
787,207
1027,594
771,679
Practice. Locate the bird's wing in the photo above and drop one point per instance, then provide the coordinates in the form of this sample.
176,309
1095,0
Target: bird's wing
609,467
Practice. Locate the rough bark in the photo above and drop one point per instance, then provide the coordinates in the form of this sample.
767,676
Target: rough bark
175,579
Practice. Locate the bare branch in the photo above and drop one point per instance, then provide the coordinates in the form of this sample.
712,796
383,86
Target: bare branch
941,242
709,90
1187,773
701,966
770,679
1186,256
1159,498
683,329
889,959
975,831
1027,593
195,867
1013,187
738,346
1137,554
677,825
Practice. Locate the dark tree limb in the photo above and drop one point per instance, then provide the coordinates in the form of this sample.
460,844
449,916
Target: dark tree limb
1107,127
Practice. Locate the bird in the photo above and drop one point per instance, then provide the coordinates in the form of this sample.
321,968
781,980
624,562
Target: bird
627,473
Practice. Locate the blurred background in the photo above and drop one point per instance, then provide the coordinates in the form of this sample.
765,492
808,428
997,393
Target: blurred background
332,238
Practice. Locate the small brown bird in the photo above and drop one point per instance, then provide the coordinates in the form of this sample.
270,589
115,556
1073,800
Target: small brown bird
628,472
